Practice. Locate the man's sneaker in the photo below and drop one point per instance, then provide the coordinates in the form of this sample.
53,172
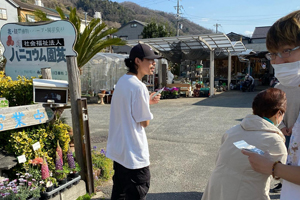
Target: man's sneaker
276,189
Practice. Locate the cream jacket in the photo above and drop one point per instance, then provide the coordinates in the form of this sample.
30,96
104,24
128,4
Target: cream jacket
233,178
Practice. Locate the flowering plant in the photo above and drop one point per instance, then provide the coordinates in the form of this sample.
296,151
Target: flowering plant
100,161
73,166
35,168
19,189
174,90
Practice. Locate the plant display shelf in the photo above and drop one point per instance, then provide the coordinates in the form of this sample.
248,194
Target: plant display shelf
62,187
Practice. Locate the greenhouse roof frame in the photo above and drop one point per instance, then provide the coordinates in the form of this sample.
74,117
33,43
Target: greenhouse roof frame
208,42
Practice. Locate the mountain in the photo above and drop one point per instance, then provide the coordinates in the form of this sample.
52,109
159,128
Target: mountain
116,15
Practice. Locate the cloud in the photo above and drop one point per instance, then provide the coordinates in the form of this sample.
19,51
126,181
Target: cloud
248,33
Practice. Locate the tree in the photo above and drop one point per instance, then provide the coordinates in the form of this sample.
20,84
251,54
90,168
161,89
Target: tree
94,38
153,30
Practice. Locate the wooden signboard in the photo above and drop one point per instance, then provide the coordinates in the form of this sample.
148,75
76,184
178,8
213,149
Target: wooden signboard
23,116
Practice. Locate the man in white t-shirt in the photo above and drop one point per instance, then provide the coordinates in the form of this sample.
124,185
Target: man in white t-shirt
130,113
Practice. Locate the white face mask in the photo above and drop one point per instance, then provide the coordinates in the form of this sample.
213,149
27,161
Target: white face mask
288,74
277,121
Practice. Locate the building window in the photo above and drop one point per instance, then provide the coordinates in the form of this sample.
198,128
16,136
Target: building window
124,37
30,18
3,13
133,25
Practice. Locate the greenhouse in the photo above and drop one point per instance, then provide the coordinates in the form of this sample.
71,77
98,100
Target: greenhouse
102,72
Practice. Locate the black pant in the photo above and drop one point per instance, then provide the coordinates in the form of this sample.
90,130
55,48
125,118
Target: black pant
130,184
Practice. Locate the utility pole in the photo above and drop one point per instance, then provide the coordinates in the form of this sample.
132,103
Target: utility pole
178,7
217,25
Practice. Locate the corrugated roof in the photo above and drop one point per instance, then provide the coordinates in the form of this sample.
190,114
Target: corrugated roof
257,47
260,32
192,42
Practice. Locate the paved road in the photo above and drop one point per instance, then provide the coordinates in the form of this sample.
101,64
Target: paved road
183,137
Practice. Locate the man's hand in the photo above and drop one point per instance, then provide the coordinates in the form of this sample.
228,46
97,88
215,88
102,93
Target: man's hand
155,100
285,131
290,130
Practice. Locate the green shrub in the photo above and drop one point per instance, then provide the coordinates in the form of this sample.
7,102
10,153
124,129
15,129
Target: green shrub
84,197
20,141
100,161
18,92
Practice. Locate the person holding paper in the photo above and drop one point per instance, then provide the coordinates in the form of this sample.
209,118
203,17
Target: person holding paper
283,43
233,178
130,113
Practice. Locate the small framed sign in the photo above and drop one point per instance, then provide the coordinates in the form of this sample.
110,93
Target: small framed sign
36,146
21,159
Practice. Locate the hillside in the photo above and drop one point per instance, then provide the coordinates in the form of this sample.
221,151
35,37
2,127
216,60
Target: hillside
116,15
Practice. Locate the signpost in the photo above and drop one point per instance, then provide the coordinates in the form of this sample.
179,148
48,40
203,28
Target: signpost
30,47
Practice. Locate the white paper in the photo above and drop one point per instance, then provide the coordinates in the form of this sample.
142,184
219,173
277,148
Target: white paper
21,159
244,145
36,146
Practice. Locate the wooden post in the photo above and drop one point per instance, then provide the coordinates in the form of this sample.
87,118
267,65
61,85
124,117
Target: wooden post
164,75
86,145
46,73
73,76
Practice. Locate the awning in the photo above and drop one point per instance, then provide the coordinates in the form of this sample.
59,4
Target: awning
209,42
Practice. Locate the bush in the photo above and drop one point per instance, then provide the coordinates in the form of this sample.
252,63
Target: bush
18,92
100,161
84,197
20,141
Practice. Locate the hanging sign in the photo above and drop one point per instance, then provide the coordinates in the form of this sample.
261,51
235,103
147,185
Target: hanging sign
23,116
32,46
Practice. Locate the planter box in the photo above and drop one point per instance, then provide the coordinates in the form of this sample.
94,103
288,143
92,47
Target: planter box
60,189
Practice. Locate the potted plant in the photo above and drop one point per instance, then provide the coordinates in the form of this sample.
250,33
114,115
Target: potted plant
60,170
73,166
174,92
47,181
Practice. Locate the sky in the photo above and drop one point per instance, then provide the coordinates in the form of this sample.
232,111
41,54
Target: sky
238,16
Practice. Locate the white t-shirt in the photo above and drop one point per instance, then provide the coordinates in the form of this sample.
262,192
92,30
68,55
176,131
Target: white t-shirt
127,142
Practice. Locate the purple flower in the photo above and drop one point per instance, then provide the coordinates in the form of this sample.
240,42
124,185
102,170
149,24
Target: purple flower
94,147
29,183
103,152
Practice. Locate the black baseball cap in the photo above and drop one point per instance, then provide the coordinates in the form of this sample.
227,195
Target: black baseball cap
143,51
